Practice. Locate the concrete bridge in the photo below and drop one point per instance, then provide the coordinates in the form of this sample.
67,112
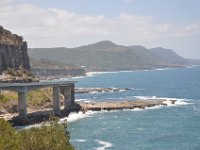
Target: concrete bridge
67,88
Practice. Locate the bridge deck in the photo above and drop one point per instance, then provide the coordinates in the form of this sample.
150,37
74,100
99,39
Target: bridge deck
65,87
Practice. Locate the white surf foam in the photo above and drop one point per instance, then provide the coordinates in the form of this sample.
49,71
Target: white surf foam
79,140
90,74
78,77
155,107
28,126
79,100
94,92
168,101
135,109
161,69
76,116
104,144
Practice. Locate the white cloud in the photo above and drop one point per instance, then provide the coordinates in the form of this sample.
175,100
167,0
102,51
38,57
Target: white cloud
54,27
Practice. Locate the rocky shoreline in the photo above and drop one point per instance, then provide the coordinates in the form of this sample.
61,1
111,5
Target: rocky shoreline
120,105
39,116
99,90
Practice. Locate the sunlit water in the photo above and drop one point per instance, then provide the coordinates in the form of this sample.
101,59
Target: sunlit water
161,128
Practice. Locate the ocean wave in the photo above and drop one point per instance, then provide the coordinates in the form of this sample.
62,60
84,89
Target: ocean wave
135,109
79,100
90,74
192,66
79,140
162,69
167,100
76,116
104,145
78,77
25,127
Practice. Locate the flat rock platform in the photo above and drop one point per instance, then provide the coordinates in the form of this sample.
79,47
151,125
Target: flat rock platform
120,105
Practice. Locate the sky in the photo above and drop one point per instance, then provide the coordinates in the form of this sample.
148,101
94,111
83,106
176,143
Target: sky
172,24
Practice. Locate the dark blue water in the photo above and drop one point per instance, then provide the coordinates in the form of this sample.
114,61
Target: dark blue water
163,128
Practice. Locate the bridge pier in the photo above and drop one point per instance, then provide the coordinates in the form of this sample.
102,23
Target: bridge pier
66,91
56,100
72,93
22,107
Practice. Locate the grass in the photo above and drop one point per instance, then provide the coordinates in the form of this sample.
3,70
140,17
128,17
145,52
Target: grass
40,97
36,98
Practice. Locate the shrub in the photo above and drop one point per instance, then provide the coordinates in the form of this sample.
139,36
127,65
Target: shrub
53,137
9,138
3,99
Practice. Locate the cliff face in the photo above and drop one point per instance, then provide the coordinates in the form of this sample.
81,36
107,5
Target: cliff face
13,51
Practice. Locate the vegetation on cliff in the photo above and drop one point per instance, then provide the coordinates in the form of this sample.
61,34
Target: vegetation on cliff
53,137
18,75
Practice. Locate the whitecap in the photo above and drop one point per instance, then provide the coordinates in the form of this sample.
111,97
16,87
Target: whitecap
167,100
79,140
181,103
29,126
79,100
94,92
162,69
90,74
104,144
76,116
155,107
135,109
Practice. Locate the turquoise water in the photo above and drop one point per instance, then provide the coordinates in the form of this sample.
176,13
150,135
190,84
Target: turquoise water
161,128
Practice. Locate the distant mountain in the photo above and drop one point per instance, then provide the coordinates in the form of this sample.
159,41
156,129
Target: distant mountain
108,56
45,63
168,55
194,61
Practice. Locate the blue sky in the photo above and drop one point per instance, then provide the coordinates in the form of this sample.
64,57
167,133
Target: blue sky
173,24
180,11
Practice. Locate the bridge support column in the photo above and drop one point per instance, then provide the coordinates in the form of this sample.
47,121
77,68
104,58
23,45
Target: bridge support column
66,91
22,107
56,100
72,93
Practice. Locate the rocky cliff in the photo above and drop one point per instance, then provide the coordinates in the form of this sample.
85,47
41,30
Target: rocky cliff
13,51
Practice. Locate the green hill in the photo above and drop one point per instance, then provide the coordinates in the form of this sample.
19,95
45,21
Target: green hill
107,56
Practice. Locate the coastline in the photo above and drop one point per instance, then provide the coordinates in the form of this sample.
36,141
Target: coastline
92,73
42,116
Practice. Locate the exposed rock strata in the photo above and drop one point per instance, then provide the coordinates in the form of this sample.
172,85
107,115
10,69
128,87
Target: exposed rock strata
13,51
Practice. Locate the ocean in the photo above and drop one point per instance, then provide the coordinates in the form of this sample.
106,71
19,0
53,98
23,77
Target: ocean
160,128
